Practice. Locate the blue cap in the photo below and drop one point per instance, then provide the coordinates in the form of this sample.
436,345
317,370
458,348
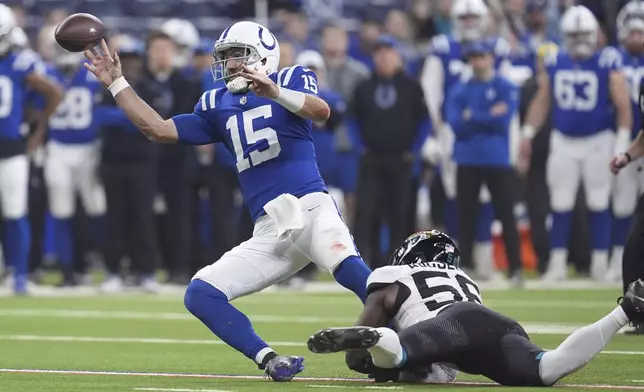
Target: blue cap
131,46
536,6
386,40
205,46
484,46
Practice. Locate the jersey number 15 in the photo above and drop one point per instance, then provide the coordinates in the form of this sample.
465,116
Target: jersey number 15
255,157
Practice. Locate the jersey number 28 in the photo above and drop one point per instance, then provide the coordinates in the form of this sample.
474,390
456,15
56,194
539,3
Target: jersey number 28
255,157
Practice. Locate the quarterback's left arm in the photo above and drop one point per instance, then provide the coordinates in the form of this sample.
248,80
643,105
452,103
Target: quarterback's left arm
297,91
621,101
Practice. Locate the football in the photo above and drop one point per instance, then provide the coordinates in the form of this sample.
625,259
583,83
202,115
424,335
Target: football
79,32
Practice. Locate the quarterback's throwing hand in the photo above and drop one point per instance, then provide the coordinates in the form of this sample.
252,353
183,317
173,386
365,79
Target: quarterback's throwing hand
106,68
260,83
619,162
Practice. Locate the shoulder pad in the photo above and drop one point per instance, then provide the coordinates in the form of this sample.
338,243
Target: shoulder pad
440,45
25,59
207,101
610,57
285,75
502,48
386,276
550,58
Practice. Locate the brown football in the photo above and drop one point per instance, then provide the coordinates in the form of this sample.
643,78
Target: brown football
79,32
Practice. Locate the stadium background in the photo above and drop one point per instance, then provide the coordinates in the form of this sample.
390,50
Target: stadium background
298,25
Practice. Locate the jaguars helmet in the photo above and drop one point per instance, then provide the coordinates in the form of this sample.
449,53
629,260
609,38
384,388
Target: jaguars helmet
246,43
470,19
7,24
426,246
630,18
580,30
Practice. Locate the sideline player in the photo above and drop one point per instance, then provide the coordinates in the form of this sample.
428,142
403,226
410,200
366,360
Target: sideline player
589,95
443,69
19,71
444,328
264,118
73,155
629,184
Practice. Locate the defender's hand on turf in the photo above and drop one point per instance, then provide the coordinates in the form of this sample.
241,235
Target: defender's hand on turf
260,83
106,68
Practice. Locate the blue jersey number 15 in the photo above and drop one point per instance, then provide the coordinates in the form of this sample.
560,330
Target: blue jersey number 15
255,157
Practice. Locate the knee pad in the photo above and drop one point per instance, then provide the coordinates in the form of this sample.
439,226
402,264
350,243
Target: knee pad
198,291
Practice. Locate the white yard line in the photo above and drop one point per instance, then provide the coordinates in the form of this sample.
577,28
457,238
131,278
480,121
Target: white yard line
243,377
91,339
179,390
370,387
530,327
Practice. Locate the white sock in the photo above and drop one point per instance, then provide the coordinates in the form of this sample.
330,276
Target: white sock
580,347
483,259
599,264
557,265
259,358
388,353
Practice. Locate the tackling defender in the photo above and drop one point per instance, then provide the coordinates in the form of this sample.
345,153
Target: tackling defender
264,118
19,72
444,328
589,95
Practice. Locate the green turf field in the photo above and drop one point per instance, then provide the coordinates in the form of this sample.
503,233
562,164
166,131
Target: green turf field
106,337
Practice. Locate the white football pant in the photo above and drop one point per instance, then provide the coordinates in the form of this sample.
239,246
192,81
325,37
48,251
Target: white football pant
575,160
14,185
629,185
261,261
71,168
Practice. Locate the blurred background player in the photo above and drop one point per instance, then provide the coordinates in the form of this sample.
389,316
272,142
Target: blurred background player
480,112
73,155
19,71
444,68
590,99
628,183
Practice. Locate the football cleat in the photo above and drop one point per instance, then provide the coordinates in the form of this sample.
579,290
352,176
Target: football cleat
633,302
284,368
333,340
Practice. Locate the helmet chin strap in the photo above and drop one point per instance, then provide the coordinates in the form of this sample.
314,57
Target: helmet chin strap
238,85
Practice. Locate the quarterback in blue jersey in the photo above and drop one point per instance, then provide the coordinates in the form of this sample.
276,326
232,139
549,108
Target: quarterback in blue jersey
73,153
444,68
264,118
19,71
629,182
590,100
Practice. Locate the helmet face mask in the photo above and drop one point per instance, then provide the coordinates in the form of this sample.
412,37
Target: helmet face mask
244,43
580,31
424,247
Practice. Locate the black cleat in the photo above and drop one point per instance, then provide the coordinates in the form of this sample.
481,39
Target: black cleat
334,340
633,302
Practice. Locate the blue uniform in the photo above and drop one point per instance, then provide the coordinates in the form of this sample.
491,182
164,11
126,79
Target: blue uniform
449,51
483,139
580,88
74,121
273,147
324,142
14,69
633,69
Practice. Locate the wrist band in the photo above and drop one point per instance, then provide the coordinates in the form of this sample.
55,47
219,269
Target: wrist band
529,131
292,100
628,156
118,85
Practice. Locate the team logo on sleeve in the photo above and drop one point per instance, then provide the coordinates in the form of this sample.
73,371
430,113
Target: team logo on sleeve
243,100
